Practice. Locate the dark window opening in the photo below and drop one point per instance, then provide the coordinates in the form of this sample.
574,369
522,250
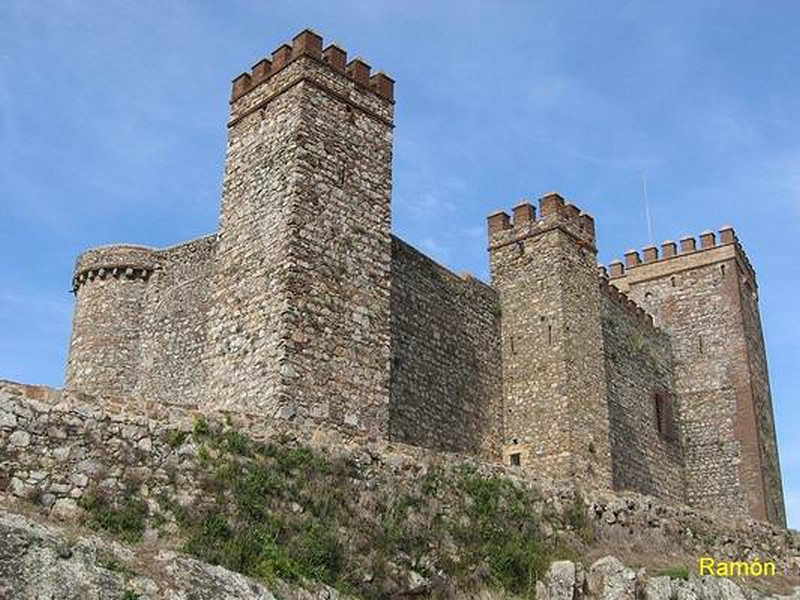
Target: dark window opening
515,459
664,416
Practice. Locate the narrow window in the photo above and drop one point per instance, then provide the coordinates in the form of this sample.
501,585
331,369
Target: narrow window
700,344
722,270
664,416
550,335
672,281
515,459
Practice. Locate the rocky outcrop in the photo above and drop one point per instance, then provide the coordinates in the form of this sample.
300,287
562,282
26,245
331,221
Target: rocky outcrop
609,579
40,562
392,519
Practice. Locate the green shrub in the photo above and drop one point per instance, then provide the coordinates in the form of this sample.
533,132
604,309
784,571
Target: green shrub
201,428
175,438
236,442
124,518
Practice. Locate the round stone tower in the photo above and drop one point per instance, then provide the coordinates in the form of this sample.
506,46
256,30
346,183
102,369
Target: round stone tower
109,284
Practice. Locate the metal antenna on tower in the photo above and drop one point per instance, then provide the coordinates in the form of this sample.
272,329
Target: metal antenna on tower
647,210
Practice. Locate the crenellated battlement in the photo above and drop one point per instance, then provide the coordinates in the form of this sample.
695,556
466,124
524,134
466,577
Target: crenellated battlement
308,43
672,254
623,300
554,213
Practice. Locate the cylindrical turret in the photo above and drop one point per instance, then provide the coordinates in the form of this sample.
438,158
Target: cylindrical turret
109,285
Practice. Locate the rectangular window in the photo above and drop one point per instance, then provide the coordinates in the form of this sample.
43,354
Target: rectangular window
515,459
664,416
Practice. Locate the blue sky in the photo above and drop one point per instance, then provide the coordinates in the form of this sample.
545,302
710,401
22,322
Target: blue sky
112,128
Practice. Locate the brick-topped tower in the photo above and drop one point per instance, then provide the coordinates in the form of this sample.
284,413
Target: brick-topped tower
555,410
705,297
300,317
304,309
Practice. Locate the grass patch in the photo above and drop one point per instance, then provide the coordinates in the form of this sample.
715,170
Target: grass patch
123,517
112,564
282,510
201,428
576,519
678,572
175,438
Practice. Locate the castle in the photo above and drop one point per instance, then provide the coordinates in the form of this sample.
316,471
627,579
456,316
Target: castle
650,376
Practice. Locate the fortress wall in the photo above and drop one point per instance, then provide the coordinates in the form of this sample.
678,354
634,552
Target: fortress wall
446,389
700,322
59,448
245,328
299,324
338,344
639,365
696,297
174,327
544,267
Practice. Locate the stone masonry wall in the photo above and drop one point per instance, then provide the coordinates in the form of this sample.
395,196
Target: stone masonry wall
299,325
639,365
246,335
446,367
175,324
110,285
694,296
139,325
57,447
554,382
339,343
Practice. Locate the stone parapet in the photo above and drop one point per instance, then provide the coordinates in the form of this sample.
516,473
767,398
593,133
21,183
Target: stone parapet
674,257
116,261
307,43
554,213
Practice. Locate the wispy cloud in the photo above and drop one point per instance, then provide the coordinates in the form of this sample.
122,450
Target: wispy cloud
112,127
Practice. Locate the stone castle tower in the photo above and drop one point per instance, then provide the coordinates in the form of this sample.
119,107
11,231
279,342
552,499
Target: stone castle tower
305,308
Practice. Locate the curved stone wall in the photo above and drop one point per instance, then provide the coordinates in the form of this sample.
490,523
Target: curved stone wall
109,285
